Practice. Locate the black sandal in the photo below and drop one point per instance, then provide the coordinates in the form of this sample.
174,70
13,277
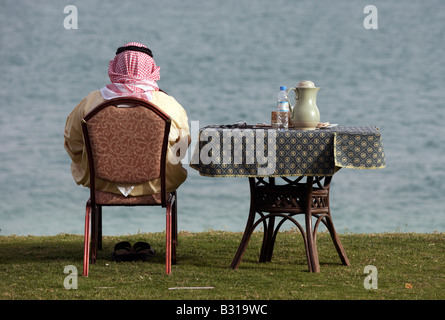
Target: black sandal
143,251
122,251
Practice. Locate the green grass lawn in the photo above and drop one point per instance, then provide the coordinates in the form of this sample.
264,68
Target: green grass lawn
409,266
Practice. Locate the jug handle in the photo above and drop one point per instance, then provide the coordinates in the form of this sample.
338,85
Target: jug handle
291,107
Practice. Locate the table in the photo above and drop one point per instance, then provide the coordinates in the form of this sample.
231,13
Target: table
304,161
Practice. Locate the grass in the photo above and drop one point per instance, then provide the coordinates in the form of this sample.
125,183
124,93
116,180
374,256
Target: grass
410,266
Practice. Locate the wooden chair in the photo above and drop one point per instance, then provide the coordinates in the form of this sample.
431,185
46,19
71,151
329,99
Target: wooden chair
126,141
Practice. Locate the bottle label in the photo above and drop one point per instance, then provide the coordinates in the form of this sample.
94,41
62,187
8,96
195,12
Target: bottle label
283,106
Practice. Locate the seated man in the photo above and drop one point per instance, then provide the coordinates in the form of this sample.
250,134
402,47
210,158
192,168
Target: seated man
133,73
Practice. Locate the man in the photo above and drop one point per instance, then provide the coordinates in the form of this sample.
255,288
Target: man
133,73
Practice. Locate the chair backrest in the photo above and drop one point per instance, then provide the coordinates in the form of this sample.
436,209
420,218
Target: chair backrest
126,141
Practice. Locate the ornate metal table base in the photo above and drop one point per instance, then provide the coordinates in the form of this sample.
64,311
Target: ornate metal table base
310,198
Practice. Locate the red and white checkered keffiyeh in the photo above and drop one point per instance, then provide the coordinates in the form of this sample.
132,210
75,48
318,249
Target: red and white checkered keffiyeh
132,73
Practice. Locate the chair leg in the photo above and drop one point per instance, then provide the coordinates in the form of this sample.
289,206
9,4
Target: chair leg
86,249
99,227
94,234
168,244
168,236
174,228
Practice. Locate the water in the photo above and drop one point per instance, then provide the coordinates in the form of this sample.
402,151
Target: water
224,61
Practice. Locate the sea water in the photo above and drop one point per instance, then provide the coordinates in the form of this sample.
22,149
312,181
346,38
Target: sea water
215,56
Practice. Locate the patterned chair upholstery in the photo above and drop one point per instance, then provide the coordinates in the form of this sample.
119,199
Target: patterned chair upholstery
126,141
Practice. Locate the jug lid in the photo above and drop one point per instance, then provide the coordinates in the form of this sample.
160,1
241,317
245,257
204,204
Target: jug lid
305,84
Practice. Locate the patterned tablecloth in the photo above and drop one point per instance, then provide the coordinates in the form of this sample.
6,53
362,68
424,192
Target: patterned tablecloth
261,152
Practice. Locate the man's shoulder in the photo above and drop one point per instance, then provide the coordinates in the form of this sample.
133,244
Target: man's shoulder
91,100
94,95
163,97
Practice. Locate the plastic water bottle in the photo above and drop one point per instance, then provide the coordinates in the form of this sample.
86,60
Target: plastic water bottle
282,109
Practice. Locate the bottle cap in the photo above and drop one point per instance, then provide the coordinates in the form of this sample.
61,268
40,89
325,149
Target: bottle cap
283,88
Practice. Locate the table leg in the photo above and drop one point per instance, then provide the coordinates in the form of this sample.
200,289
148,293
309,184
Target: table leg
268,241
338,246
245,240
313,263
285,202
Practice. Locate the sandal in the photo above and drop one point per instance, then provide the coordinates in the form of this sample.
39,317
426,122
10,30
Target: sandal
143,251
122,251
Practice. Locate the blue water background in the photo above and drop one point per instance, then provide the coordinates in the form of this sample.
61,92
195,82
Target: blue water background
224,61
